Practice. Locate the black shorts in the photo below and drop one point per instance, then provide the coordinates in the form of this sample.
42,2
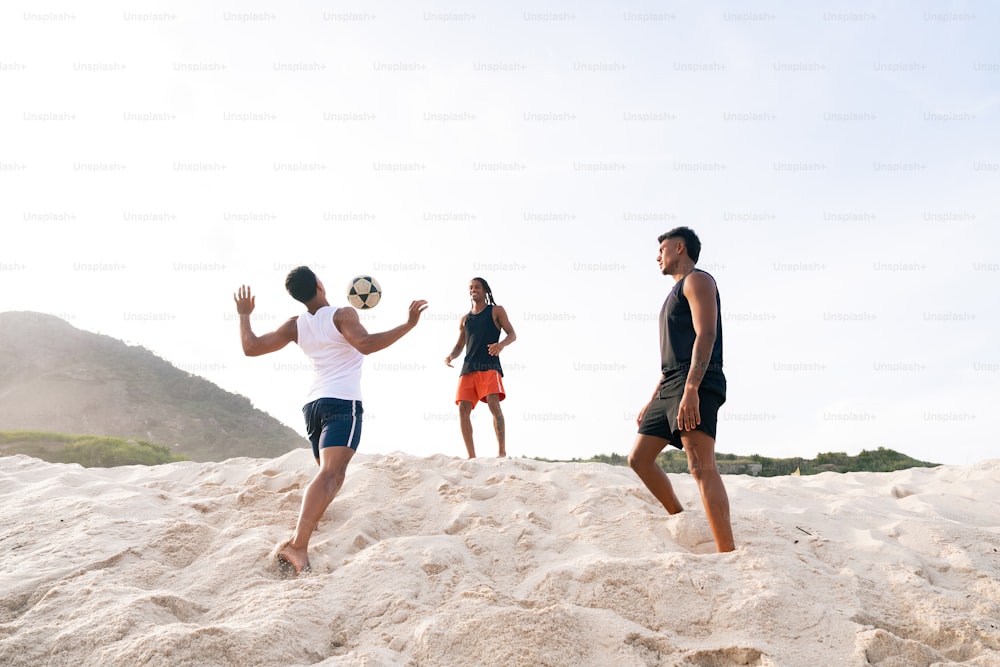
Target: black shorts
660,419
333,422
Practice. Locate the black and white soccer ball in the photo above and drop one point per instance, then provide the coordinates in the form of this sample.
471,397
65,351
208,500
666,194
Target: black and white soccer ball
364,292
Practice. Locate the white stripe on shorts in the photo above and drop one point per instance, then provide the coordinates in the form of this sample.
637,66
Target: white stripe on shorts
354,422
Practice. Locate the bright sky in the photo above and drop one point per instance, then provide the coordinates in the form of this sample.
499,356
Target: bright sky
840,162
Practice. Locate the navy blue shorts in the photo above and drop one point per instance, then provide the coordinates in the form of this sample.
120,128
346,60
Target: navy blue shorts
333,422
660,419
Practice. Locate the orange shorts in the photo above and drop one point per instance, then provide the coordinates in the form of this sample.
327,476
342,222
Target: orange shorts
476,386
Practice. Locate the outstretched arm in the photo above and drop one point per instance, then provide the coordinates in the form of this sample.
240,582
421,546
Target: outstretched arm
348,323
457,350
502,321
254,345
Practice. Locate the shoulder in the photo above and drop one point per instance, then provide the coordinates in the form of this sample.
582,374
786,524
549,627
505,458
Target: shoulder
699,279
699,283
345,314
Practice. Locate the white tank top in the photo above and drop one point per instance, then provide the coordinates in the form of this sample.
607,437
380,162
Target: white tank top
337,363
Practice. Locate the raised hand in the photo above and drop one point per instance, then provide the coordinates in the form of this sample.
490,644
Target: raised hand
416,308
244,301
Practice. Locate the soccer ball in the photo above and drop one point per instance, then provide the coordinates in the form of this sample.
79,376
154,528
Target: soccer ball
364,292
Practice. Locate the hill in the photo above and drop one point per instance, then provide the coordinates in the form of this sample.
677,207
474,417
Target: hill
57,378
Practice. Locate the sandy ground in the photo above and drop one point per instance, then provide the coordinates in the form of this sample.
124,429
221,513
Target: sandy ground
442,561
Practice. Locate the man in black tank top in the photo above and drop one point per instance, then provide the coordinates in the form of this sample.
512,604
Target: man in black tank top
481,377
692,387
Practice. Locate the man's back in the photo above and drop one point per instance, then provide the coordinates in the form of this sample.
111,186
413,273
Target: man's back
337,363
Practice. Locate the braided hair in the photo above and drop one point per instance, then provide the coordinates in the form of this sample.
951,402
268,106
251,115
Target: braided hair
490,301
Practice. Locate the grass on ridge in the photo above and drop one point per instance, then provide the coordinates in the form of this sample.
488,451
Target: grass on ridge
880,460
90,451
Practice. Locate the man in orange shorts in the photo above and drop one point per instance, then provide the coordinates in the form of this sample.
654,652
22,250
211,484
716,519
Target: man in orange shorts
482,376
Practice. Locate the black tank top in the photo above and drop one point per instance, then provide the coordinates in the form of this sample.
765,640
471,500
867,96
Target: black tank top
677,344
480,331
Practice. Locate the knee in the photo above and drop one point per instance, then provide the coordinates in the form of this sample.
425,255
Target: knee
331,479
465,409
645,450
701,469
337,481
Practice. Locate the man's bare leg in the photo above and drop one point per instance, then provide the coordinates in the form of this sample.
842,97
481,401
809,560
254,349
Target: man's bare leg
700,448
642,460
493,400
319,494
465,417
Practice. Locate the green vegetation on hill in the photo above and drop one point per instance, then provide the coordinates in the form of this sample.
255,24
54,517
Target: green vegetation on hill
880,460
90,451
57,378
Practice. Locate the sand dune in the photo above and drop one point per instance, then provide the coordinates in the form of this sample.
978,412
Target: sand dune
440,561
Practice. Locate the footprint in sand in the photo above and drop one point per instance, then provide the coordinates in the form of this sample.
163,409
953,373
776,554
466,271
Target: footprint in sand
689,530
483,493
723,657
456,525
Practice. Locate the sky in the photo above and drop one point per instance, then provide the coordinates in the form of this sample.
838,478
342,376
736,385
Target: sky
840,162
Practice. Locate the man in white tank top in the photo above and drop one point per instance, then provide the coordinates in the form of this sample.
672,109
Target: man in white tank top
336,342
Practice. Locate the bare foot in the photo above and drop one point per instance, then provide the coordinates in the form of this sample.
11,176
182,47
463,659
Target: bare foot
290,558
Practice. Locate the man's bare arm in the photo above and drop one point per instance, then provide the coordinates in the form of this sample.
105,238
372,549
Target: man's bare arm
699,289
501,319
457,350
348,323
254,345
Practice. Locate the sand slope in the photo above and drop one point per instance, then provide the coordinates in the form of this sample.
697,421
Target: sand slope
440,561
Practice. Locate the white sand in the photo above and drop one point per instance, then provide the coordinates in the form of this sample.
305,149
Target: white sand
439,561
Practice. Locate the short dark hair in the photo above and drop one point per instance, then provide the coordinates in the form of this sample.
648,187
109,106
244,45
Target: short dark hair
301,283
686,234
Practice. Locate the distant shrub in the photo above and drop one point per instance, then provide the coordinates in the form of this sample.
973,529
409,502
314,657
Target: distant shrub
674,461
90,451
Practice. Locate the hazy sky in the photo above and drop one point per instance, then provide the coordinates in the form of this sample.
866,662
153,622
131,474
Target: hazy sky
840,162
